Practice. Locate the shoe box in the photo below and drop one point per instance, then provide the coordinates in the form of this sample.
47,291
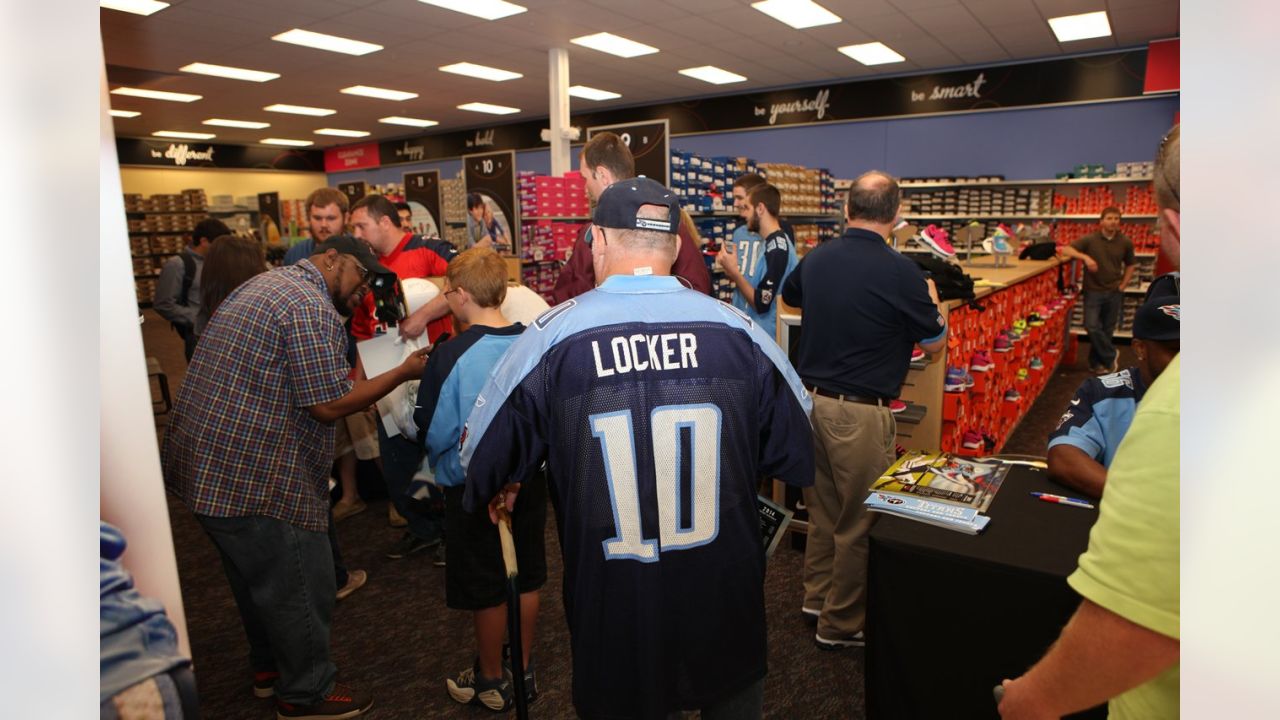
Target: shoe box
983,407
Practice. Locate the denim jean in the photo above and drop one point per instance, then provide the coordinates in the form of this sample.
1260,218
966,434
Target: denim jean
401,458
340,574
282,579
1101,313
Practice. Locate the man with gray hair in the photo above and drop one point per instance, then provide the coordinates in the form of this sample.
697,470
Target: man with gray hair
865,307
1123,644
658,411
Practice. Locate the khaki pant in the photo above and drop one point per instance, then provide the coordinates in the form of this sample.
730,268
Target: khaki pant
853,445
357,432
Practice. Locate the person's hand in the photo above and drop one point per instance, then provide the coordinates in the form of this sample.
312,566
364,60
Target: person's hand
1090,263
505,498
412,327
412,367
1020,702
729,260
933,290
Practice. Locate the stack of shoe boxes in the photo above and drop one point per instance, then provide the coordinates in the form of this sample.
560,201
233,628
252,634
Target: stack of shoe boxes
159,227
1143,234
547,196
983,407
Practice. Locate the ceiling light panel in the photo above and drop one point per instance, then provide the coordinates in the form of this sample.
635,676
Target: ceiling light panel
712,74
875,53
614,45
487,108
299,110
590,93
380,93
245,124
799,14
487,9
137,7
156,94
287,142
411,122
332,43
1081,27
338,132
233,73
184,135
484,72
125,113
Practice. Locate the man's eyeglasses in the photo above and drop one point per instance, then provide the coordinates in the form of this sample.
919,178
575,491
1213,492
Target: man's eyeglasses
364,271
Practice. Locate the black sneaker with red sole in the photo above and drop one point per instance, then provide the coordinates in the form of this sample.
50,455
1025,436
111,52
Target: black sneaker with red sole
341,702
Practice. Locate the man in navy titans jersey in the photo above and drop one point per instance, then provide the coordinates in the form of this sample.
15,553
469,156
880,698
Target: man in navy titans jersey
658,410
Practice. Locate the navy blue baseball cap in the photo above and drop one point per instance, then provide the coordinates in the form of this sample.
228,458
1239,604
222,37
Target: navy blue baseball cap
620,203
1158,318
356,248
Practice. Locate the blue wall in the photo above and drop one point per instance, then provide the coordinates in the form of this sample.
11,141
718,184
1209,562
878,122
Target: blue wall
1018,144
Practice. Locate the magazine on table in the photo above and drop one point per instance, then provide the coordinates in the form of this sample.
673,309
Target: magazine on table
940,489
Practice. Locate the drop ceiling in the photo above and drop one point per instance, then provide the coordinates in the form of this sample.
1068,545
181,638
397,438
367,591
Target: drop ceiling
418,38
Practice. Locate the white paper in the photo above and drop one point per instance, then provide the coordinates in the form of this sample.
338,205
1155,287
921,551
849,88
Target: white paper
381,354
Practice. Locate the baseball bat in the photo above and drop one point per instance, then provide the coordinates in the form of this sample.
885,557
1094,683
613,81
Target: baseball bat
513,611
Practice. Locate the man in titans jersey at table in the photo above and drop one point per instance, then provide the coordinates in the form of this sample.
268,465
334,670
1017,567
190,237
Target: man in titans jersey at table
658,410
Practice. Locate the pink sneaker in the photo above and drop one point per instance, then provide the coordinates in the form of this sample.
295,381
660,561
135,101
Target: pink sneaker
897,406
1003,344
972,440
981,362
938,242
918,355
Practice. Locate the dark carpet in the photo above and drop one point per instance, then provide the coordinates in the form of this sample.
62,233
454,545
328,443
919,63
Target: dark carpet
396,638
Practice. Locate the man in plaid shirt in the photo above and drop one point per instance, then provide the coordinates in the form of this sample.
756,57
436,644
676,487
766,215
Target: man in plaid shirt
248,449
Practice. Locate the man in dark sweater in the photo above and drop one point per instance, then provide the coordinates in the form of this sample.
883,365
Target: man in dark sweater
605,160
1108,266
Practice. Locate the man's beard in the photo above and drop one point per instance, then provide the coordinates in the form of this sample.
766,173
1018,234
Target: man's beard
343,305
753,224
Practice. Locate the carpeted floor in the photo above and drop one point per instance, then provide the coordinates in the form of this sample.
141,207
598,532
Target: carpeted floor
396,637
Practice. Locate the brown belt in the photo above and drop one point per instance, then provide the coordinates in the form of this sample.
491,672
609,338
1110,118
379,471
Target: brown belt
846,398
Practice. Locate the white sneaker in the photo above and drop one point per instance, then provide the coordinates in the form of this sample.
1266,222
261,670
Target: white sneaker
857,639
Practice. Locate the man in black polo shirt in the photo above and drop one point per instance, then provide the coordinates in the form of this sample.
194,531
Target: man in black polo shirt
865,306
1108,266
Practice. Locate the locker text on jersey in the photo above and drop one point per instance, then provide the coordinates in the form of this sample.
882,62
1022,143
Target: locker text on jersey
637,353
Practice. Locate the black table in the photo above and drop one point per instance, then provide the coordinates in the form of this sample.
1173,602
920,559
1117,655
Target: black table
950,615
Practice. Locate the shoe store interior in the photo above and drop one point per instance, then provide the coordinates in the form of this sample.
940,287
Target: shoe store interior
411,457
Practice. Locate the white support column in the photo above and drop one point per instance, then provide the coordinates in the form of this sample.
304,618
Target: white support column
558,79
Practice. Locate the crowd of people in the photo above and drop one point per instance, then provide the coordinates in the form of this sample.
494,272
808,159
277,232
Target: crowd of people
647,413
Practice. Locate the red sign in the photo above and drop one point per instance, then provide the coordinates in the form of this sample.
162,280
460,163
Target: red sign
1162,67
351,157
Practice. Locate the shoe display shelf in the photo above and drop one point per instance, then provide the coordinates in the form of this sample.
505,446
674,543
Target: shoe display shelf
159,227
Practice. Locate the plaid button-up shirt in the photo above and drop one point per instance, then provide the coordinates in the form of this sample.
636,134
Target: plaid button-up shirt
240,441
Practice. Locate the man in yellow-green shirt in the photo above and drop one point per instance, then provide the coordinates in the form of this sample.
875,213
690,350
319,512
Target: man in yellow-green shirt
1122,645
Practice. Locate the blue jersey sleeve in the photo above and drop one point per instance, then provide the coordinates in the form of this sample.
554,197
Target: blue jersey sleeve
776,258
1080,426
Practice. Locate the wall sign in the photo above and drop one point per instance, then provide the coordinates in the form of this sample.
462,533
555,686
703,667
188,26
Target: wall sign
135,151
649,143
351,157
422,192
1052,82
493,176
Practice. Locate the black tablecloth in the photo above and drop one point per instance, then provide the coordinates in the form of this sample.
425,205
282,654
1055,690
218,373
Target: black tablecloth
949,615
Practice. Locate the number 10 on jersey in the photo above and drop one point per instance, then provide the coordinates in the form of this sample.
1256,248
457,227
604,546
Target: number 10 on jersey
617,444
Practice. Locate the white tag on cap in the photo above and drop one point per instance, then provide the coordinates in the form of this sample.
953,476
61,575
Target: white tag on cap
648,224
642,271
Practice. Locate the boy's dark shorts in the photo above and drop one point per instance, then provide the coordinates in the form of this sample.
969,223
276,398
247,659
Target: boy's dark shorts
475,578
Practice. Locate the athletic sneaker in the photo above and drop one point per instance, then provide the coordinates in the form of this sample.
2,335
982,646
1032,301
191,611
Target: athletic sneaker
1013,395
918,355
972,440
981,362
1020,326
938,242
355,580
1000,241
439,559
897,406
530,675
1036,364
471,689
1034,320
968,379
1022,373
810,615
956,380
341,702
264,683
1003,343
857,639
1044,311
410,544
1053,349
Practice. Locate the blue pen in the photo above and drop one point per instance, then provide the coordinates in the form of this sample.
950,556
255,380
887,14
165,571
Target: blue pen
1063,500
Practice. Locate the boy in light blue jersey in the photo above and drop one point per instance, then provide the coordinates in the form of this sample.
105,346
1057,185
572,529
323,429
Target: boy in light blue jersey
475,578
760,256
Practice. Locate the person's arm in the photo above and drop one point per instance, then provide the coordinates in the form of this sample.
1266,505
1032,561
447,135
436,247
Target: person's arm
729,264
1130,264
1073,467
577,276
1073,253
364,393
168,288
1098,656
416,324
791,292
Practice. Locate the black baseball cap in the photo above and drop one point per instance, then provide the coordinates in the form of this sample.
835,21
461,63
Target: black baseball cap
620,203
1158,318
358,249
